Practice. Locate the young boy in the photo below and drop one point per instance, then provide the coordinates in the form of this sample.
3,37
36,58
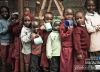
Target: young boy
36,48
53,46
44,61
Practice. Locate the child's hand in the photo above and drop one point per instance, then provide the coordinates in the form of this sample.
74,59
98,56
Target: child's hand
97,28
79,57
42,27
33,35
36,36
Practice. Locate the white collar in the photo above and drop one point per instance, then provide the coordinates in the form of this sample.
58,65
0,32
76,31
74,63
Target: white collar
26,28
91,14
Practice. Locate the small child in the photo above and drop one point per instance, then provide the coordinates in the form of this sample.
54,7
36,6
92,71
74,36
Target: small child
53,46
4,35
47,20
81,42
36,48
15,45
66,29
93,27
26,41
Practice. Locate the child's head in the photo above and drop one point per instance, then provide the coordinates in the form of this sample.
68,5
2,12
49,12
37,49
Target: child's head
4,12
35,25
80,18
27,21
56,24
68,13
27,10
90,5
14,16
48,17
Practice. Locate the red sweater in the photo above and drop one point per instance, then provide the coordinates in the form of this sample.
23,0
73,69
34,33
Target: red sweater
66,36
81,39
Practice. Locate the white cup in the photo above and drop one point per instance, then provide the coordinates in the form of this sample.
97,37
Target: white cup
48,26
38,40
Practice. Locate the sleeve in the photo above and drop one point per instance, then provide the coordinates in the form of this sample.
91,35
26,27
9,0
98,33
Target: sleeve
3,30
89,26
76,41
49,47
25,37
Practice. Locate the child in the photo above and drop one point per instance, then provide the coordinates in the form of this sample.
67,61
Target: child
93,27
26,41
15,45
27,12
4,35
47,19
66,42
36,48
81,42
53,46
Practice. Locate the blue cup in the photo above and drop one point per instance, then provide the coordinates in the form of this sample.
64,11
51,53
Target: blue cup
68,23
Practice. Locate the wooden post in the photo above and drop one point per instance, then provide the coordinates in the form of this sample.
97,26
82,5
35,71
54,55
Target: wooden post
42,8
58,7
20,9
49,6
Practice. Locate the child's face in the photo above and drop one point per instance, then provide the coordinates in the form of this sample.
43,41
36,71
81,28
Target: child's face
14,17
57,26
48,18
26,11
91,6
4,13
80,18
35,26
27,21
68,14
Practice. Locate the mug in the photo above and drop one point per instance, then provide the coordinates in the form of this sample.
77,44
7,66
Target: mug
38,40
48,27
68,23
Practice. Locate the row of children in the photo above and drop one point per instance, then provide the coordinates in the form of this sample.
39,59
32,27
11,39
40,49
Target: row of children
54,45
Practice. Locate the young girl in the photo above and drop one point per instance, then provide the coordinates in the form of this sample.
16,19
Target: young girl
47,19
93,27
36,47
81,42
66,42
4,35
26,41
15,45
53,46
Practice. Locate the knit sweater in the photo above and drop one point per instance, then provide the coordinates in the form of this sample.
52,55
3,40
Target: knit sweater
53,46
4,32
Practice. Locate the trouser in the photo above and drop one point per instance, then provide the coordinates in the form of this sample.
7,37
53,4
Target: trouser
27,62
4,51
35,63
55,64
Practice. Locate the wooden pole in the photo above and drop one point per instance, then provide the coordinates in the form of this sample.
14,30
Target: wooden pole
49,7
42,8
58,7
20,9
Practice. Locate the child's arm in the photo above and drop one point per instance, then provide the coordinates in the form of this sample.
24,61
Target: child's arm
76,41
90,27
49,47
25,37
